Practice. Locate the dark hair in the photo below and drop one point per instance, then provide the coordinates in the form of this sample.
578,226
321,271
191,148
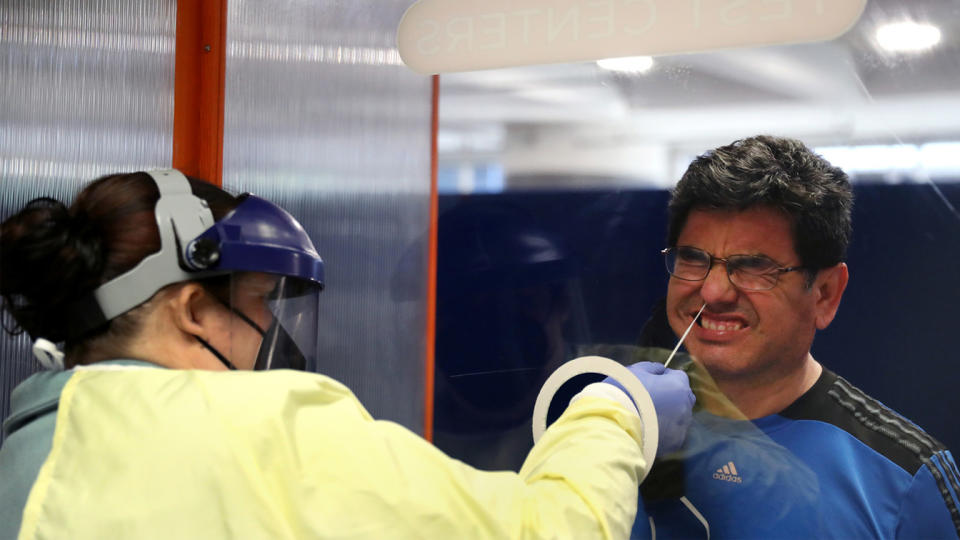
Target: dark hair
52,256
778,173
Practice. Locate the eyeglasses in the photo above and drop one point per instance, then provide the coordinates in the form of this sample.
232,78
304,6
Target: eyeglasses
746,272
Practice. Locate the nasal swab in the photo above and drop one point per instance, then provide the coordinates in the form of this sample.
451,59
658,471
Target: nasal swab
684,336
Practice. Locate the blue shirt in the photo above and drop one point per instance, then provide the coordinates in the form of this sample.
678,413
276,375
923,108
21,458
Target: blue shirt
834,464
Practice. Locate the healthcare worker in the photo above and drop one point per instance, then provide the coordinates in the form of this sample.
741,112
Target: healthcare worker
169,296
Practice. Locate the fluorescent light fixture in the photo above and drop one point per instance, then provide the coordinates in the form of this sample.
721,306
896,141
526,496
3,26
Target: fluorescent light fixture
628,64
907,37
873,158
934,159
941,157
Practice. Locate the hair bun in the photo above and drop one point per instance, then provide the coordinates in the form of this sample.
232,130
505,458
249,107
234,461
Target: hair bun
85,239
48,258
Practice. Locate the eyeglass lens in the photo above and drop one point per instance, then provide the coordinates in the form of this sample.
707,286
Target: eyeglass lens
751,272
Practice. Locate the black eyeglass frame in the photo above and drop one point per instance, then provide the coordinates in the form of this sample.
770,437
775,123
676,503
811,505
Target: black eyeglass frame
712,259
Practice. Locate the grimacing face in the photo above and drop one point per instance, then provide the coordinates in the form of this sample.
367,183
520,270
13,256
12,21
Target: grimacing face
745,335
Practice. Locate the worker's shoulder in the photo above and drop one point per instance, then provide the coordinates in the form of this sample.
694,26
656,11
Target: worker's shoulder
834,401
260,393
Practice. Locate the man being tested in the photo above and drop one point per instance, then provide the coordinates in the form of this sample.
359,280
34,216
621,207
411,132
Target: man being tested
757,237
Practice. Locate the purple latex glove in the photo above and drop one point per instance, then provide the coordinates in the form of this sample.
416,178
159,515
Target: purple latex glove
669,390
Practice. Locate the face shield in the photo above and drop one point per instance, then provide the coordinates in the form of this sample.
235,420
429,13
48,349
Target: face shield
272,321
285,317
257,262
274,294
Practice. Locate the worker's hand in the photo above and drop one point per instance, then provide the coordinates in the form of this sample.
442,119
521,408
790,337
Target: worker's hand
669,390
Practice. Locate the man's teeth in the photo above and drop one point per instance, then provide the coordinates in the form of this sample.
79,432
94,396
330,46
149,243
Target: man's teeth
728,326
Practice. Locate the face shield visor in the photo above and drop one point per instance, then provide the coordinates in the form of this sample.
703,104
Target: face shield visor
273,293
273,321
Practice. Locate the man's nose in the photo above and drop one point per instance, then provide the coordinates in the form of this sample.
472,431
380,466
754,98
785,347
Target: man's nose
716,287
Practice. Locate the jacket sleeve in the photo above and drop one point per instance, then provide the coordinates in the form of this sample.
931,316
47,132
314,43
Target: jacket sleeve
931,507
579,481
280,454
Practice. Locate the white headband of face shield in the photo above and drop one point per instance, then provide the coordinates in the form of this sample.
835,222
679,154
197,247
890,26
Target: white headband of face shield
181,217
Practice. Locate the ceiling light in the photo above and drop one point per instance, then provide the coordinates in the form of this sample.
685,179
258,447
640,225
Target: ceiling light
873,158
629,64
908,37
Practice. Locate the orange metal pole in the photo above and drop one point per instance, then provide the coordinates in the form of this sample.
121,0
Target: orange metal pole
199,88
428,386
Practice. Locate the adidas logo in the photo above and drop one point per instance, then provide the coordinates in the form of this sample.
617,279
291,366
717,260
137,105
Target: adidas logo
728,473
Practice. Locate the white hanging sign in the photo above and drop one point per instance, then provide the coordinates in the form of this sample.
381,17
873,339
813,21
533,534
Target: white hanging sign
437,36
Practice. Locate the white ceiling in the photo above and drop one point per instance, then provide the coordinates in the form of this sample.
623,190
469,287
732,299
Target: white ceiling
842,92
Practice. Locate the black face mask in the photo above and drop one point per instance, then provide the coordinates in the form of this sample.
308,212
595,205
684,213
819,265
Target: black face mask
277,349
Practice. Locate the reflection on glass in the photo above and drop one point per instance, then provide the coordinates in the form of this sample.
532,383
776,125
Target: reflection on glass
593,154
506,287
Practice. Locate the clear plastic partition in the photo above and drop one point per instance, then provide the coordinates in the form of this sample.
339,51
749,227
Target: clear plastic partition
322,118
86,88
555,181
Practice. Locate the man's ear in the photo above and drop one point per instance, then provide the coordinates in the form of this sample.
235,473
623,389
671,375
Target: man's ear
828,288
190,307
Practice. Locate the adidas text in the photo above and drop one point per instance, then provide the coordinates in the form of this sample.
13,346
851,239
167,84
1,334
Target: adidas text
728,478
728,473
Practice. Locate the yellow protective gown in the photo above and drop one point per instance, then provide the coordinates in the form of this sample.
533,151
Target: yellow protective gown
154,453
